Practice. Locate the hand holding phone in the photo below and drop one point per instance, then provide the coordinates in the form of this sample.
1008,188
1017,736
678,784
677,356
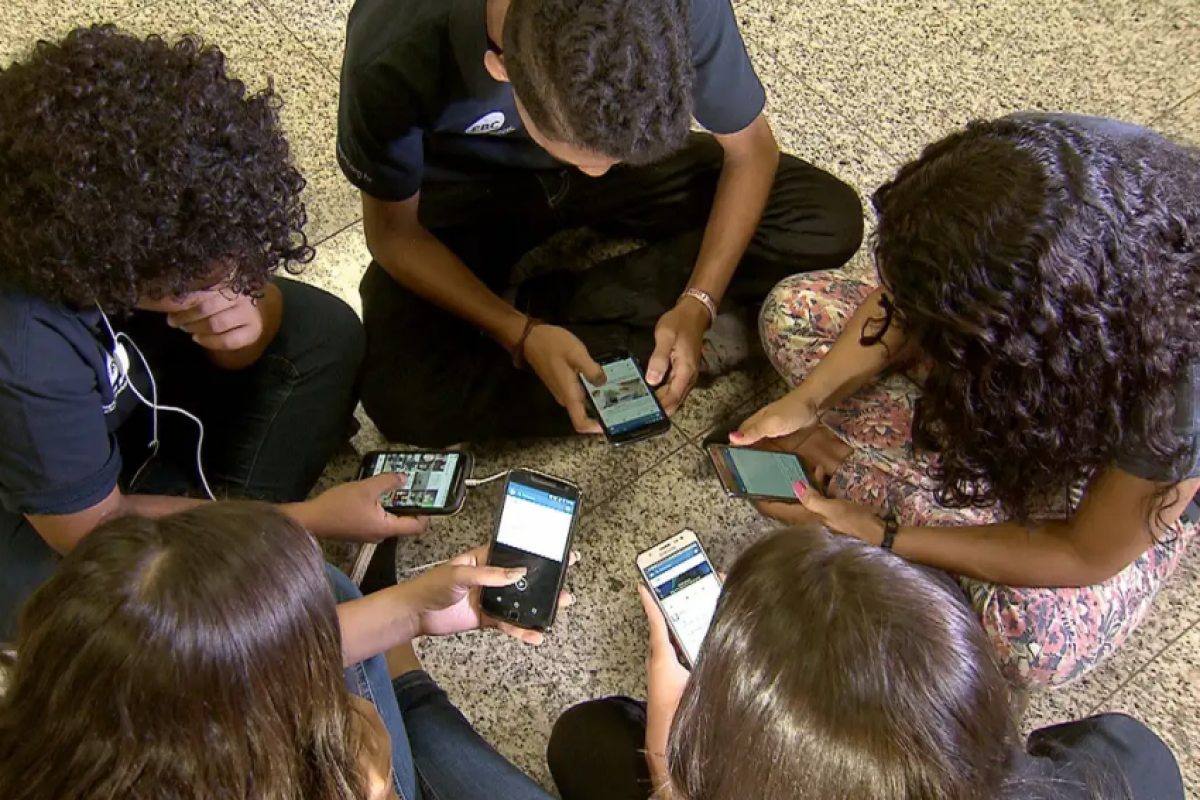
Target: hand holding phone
757,474
685,587
627,407
537,522
435,482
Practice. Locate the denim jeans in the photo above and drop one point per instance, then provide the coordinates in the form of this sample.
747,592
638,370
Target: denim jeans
436,754
269,429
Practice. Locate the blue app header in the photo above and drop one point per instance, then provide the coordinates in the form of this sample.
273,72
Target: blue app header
541,497
674,560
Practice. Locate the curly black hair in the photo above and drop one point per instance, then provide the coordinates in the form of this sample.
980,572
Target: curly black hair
613,77
132,168
1050,270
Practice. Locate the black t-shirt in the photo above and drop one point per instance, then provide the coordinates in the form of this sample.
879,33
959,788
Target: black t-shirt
1110,756
417,104
63,396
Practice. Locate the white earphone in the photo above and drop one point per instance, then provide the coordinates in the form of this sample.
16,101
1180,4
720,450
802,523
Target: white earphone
122,339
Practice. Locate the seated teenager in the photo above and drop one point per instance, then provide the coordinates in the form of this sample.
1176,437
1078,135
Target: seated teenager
146,200
834,669
1040,273
476,129
198,656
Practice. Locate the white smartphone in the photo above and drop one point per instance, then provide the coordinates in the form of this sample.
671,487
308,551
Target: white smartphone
686,587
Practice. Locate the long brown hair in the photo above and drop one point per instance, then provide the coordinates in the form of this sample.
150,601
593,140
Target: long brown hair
193,656
834,669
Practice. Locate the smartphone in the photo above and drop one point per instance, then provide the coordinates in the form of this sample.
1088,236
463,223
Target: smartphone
535,529
686,587
436,480
757,474
625,404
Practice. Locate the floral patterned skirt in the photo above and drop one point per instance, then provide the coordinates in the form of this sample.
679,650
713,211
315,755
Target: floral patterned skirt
1045,637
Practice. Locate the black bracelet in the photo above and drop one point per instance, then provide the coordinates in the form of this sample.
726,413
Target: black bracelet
890,526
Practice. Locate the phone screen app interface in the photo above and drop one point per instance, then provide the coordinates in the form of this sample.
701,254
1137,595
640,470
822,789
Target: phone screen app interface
534,528
762,473
625,402
688,590
429,477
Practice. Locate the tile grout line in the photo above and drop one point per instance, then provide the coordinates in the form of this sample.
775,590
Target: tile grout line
336,233
320,62
1174,107
1137,673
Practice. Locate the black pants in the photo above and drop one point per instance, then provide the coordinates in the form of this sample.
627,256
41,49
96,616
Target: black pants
432,379
269,429
598,750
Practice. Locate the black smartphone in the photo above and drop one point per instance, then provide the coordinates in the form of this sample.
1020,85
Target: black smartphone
436,480
535,529
625,405
757,474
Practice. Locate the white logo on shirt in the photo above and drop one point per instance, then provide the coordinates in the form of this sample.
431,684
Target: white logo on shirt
118,373
490,123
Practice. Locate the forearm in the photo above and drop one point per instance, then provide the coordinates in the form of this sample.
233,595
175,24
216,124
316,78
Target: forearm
1008,554
376,623
270,306
422,264
849,365
741,196
63,532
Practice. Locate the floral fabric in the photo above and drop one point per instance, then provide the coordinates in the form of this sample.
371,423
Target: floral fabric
1044,636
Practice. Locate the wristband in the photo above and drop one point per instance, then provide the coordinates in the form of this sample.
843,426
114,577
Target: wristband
705,299
518,351
890,526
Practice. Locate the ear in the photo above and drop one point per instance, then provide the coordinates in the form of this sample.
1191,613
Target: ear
494,64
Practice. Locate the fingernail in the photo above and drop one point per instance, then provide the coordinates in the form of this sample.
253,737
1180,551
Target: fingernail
736,435
519,572
799,488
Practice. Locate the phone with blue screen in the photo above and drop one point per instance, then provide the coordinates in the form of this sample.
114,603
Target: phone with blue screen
757,474
625,405
534,531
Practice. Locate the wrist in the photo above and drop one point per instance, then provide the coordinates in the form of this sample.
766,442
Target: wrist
508,333
698,306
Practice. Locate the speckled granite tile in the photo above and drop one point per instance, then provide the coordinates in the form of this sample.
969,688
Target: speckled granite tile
319,24
597,647
25,21
339,265
1166,696
260,49
709,405
1183,121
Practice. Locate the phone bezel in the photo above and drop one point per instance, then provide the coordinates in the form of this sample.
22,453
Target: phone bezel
657,553
465,465
640,433
729,482
563,488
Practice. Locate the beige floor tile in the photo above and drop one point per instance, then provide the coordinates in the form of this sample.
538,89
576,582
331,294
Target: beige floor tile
339,265
1183,121
319,24
1166,696
23,22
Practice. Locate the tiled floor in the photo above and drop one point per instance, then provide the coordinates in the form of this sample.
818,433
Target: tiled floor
856,86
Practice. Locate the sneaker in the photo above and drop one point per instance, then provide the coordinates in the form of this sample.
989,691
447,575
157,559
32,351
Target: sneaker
375,567
731,343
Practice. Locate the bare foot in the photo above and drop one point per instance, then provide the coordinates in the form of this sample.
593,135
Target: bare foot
401,660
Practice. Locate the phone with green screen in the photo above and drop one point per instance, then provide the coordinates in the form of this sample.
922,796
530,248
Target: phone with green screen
757,474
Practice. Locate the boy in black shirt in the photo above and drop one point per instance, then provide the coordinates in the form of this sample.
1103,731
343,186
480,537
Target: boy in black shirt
478,128
145,202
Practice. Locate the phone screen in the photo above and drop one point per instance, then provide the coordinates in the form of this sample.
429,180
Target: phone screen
430,478
534,532
762,473
688,590
624,402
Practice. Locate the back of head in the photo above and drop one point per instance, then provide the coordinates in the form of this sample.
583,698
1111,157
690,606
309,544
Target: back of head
609,76
837,671
193,656
1050,268
136,167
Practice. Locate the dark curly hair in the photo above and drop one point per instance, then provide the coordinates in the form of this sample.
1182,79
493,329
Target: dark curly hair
131,168
614,77
1050,270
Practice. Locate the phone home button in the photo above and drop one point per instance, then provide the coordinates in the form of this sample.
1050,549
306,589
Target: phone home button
521,585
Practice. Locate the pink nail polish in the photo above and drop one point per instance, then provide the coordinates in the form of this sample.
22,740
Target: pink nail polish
799,488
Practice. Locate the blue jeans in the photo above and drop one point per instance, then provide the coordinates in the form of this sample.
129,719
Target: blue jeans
436,754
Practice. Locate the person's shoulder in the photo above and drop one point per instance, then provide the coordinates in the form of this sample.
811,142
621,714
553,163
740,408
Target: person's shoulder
393,33
32,328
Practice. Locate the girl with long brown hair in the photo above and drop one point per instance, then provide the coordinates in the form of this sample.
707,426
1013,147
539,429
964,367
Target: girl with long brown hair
835,670
200,655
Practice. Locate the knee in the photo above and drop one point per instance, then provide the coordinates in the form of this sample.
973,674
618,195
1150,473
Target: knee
329,328
588,731
838,214
413,407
